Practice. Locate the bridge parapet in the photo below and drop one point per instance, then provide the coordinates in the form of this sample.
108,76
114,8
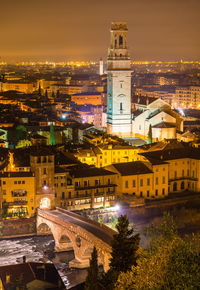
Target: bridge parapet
75,215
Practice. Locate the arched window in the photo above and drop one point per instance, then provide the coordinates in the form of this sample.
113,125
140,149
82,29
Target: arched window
120,106
175,186
182,185
120,40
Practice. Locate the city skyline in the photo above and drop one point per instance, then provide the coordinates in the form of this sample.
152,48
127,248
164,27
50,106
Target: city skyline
66,30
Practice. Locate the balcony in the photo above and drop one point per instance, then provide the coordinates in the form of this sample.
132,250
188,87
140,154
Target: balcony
94,186
16,202
99,194
189,178
19,193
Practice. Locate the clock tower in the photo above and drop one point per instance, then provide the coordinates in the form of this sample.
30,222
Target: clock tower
119,83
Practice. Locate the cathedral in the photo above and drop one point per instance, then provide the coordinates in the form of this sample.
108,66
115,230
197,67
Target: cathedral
157,116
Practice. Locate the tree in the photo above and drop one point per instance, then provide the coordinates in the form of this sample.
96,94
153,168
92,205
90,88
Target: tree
39,90
91,282
20,133
149,140
46,95
124,246
170,262
124,253
52,140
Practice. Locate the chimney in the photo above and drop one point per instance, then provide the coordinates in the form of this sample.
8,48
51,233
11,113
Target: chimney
24,259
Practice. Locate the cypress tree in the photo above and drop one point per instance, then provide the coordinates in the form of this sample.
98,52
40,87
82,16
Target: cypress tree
39,90
91,282
52,140
124,252
149,140
124,246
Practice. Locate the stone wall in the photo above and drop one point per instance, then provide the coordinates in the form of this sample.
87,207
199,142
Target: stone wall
18,227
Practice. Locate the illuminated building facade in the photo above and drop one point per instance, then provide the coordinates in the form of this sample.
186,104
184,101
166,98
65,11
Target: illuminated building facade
42,165
142,179
18,193
119,82
106,154
164,121
87,98
187,97
19,86
87,188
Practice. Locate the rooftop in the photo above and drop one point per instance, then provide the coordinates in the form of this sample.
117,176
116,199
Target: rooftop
90,171
132,168
31,272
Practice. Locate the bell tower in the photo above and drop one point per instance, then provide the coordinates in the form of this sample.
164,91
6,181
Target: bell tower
119,83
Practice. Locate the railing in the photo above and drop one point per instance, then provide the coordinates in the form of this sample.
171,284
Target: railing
94,186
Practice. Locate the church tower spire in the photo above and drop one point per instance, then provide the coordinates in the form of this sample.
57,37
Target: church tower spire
119,82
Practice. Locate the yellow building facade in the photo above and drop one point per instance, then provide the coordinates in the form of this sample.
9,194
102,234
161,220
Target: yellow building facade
85,188
104,155
141,179
18,193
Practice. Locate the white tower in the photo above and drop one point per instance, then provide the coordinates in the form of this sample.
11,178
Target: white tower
101,67
119,83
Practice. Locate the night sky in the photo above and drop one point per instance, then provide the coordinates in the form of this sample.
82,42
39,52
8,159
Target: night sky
62,30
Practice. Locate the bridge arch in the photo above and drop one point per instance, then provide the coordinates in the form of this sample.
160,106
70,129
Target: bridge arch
70,234
44,229
65,244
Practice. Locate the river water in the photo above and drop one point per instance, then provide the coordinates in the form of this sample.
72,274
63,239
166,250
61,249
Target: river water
40,248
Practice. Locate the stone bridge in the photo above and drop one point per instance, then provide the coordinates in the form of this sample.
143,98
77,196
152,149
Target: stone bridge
74,232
